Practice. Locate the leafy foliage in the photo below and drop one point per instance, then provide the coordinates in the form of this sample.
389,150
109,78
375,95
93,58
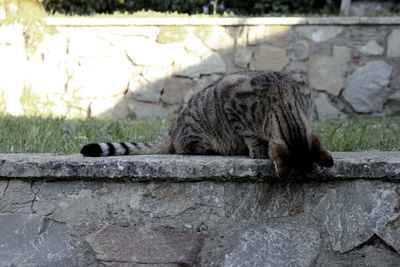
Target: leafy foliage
237,7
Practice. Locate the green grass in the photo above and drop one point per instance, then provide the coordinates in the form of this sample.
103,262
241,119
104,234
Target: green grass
360,133
60,135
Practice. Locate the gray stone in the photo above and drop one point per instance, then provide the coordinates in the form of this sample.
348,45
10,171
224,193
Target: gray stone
353,213
148,85
28,240
366,256
298,50
93,46
147,110
149,53
242,57
372,48
349,165
393,44
393,103
279,35
366,87
243,201
17,197
297,67
131,245
325,109
319,34
190,65
12,34
99,78
268,57
215,37
175,89
12,84
195,46
283,245
327,73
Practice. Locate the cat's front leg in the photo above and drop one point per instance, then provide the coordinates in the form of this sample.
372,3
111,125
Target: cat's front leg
258,148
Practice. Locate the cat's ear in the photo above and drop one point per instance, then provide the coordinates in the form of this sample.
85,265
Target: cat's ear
280,156
320,154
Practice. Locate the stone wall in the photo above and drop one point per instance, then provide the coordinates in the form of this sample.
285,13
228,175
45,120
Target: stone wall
79,67
172,210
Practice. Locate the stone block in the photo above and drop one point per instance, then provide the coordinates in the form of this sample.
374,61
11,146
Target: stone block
366,88
144,52
325,109
268,57
278,35
148,85
17,197
327,73
393,103
282,245
192,66
215,37
298,50
86,43
142,110
319,34
297,67
366,256
195,46
175,90
29,240
353,213
99,78
372,48
393,44
244,201
132,245
13,69
171,34
242,57
12,34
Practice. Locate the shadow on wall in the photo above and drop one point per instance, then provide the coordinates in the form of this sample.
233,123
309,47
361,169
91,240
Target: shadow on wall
97,67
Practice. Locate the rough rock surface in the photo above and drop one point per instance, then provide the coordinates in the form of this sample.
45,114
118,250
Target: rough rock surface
366,88
327,73
132,245
325,109
268,57
318,34
393,44
283,245
29,240
353,213
372,48
350,165
172,210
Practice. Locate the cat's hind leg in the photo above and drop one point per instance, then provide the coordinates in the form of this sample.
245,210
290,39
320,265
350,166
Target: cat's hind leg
258,148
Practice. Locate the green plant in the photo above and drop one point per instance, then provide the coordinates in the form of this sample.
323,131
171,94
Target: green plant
238,7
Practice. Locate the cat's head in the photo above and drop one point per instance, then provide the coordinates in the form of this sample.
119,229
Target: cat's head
292,142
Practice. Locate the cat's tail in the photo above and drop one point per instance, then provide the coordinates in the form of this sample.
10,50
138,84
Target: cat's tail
163,145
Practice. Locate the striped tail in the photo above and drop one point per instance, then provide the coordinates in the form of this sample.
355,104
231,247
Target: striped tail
163,145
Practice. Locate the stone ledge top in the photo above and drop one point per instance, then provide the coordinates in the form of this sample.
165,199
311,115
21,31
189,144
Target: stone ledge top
180,168
85,21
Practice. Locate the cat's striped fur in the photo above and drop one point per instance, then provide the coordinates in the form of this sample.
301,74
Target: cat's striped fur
261,114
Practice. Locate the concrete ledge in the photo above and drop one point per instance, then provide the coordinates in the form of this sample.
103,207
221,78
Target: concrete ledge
222,21
178,168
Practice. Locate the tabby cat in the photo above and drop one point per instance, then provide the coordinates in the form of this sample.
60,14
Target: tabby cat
258,113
